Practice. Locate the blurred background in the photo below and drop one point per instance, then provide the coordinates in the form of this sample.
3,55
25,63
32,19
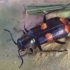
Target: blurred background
13,17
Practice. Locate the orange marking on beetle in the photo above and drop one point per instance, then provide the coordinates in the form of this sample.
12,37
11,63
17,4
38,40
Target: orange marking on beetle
63,21
49,37
67,29
43,26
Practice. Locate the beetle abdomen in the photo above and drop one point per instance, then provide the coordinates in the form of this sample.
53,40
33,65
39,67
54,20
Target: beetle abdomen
52,30
54,34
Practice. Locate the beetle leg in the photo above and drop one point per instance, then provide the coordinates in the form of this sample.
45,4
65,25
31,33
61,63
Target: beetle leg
31,50
24,54
54,50
22,31
44,19
25,29
37,42
60,42
39,46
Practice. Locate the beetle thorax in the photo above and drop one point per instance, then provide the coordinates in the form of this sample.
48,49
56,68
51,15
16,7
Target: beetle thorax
30,44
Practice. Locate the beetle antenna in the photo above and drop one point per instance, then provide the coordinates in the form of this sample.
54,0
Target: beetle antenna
25,22
11,36
67,5
25,28
20,58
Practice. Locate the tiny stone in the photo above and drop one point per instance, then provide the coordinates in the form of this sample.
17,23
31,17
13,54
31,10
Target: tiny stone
6,55
15,62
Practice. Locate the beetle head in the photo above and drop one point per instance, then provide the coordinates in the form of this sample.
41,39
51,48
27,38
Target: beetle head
26,41
20,45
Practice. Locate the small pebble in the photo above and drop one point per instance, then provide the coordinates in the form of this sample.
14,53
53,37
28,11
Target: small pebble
6,55
15,62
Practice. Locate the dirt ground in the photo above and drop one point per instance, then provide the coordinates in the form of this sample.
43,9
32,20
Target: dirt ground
12,17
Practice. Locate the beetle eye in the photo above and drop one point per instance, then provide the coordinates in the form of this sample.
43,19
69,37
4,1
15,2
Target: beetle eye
20,45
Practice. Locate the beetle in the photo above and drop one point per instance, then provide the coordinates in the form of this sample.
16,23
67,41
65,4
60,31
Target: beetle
48,31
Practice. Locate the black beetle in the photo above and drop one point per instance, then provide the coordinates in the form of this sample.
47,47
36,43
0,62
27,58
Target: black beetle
48,31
